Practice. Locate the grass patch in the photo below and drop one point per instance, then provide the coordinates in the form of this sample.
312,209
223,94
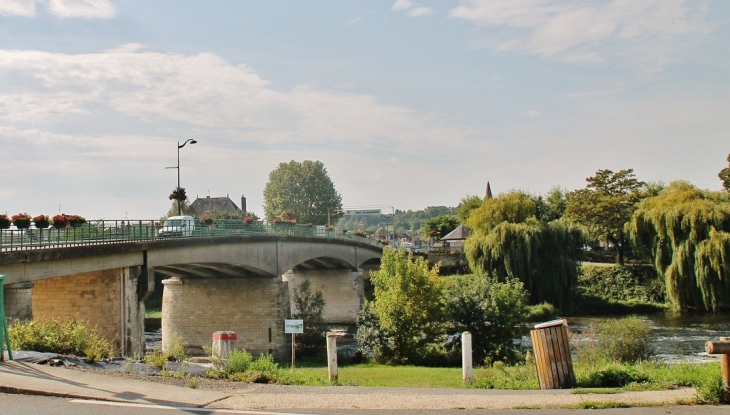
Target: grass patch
599,391
393,376
153,313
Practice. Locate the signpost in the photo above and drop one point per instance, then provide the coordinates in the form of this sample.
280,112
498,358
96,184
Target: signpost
293,327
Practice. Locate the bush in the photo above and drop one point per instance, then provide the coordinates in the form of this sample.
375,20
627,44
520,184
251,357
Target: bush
624,340
63,336
638,284
176,350
238,362
492,311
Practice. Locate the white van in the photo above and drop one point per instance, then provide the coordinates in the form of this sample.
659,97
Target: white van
177,226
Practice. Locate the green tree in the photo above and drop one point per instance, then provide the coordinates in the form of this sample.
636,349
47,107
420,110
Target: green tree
605,206
439,226
687,231
309,307
184,208
508,241
554,205
467,205
407,305
724,175
306,189
492,311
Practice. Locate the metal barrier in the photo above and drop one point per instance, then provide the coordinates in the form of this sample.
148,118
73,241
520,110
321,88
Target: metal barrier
96,232
4,337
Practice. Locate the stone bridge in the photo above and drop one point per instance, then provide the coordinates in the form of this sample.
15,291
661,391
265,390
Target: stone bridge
241,283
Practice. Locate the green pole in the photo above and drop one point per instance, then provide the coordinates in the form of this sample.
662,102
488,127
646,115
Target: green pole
4,337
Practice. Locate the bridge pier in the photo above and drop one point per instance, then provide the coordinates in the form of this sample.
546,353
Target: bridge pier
19,301
107,300
254,308
342,290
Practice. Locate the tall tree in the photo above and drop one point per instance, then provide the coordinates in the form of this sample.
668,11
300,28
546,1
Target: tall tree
508,241
467,205
554,205
304,188
439,226
407,304
606,205
687,231
724,175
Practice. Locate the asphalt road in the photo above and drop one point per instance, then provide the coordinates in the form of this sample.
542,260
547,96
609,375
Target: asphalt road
41,405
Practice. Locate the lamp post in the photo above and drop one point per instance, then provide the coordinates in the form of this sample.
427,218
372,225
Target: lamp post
179,146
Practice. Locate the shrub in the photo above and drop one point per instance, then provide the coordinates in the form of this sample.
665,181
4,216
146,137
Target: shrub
624,340
541,312
491,311
265,363
156,359
176,349
238,362
63,336
621,284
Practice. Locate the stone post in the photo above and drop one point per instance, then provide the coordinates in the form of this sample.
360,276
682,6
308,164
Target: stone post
224,342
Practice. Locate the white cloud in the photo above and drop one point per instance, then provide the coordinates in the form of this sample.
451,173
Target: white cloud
411,9
419,11
582,31
401,5
352,21
24,8
90,9
200,91
532,113
102,9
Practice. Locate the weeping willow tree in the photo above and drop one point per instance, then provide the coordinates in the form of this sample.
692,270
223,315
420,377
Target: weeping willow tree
687,232
508,241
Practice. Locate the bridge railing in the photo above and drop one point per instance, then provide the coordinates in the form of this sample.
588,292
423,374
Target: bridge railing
96,232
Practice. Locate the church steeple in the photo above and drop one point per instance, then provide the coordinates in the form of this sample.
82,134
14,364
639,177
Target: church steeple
488,195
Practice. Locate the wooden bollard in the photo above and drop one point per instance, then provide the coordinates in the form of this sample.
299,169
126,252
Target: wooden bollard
552,355
722,348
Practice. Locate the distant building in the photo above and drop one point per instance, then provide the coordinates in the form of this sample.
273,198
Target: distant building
455,239
219,204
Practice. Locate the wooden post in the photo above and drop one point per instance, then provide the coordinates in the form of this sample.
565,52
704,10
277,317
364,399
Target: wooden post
332,356
466,359
293,349
722,348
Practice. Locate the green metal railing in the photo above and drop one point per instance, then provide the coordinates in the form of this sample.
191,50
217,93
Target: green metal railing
4,337
98,232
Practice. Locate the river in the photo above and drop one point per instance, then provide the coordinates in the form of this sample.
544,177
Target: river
677,338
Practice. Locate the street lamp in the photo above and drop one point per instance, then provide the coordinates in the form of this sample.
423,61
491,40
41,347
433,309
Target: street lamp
179,146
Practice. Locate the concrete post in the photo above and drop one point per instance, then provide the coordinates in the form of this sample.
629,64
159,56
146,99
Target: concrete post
466,359
332,356
224,342
18,301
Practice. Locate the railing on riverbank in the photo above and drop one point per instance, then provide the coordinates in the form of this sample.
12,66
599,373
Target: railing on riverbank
96,232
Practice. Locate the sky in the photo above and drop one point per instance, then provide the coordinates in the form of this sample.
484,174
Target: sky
408,103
